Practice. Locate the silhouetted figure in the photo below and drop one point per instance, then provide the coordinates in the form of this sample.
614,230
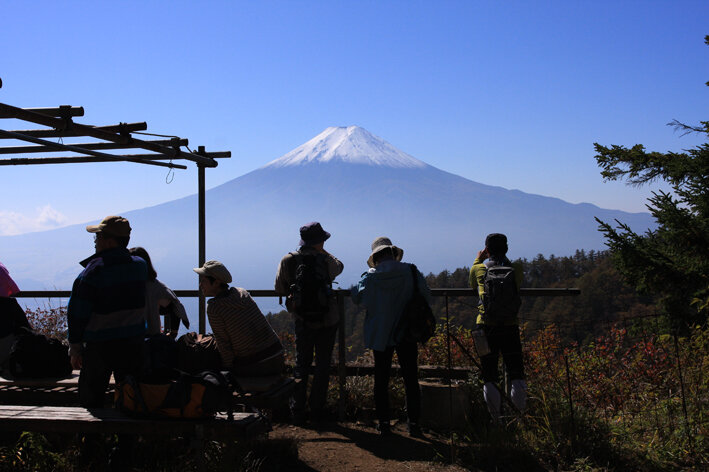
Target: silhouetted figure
384,290
106,312
305,277
246,342
12,316
498,281
159,301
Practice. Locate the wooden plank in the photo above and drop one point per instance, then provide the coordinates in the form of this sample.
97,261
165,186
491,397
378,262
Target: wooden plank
72,381
106,420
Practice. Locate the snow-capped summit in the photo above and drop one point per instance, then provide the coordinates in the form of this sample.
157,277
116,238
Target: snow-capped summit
352,145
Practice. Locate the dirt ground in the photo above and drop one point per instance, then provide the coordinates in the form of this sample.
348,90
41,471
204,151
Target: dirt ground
354,447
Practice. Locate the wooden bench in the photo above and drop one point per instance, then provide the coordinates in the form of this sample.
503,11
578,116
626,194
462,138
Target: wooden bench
44,391
263,393
52,419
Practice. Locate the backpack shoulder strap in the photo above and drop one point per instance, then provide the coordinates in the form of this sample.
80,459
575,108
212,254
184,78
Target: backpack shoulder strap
295,260
414,270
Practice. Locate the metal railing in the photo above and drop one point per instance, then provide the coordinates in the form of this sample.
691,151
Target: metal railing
342,368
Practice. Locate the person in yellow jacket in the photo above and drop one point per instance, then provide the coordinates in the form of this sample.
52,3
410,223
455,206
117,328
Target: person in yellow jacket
497,318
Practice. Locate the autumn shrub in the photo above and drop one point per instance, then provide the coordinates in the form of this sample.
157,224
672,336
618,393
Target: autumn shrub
49,321
623,392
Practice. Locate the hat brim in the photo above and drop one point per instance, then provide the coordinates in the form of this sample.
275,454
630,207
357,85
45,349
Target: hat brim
223,278
398,254
324,237
94,228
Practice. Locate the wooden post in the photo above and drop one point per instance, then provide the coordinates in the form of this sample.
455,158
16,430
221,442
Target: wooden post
341,359
202,240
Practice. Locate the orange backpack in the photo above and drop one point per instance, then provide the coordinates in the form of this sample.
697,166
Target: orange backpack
190,396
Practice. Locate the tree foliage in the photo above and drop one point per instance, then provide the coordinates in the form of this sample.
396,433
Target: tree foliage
671,261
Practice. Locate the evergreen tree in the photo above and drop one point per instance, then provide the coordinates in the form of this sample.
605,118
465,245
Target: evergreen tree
671,261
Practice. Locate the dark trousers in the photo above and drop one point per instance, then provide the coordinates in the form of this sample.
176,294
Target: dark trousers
503,340
320,342
119,357
408,361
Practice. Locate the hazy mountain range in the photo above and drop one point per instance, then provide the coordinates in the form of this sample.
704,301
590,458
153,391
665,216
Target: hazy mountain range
359,187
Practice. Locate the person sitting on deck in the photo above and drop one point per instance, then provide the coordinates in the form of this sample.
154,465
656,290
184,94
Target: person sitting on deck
159,300
12,316
246,342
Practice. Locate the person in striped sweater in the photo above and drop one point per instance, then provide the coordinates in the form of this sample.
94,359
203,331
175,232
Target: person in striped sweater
246,342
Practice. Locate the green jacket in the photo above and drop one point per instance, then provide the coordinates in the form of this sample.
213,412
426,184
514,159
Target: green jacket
477,279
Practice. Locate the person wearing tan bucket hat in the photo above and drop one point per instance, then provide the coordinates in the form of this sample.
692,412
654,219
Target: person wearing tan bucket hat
385,290
383,243
247,344
106,312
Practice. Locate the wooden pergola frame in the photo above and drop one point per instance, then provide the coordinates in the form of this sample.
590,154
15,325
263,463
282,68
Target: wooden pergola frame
59,123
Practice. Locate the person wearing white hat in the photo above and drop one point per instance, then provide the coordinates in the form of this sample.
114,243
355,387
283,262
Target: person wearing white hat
384,290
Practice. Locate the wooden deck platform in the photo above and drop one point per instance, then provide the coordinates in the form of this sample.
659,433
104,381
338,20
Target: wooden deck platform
262,393
50,419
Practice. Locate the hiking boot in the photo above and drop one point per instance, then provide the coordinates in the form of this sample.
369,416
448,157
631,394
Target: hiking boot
384,429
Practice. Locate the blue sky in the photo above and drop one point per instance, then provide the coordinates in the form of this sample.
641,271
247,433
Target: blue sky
504,93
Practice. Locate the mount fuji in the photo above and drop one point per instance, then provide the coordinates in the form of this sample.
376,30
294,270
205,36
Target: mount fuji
359,187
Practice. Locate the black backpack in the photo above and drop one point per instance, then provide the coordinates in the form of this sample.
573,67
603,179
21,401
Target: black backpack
160,356
35,356
311,290
417,323
197,353
501,298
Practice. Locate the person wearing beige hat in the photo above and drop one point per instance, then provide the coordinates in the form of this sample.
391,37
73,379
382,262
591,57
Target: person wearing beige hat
246,342
384,290
106,315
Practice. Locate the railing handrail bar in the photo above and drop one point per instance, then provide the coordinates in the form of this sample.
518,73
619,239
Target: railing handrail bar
438,292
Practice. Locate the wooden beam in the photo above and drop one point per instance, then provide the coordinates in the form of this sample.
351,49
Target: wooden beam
58,123
63,111
95,146
25,161
65,147
66,133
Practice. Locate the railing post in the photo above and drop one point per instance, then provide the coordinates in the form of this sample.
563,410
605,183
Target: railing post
448,378
341,358
571,403
684,398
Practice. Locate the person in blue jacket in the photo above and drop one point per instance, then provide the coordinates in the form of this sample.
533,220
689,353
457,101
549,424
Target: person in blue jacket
384,290
106,312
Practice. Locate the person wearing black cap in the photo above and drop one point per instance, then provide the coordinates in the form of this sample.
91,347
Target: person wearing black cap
106,312
315,328
498,322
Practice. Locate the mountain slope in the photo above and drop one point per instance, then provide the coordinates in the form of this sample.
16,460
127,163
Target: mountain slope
359,187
